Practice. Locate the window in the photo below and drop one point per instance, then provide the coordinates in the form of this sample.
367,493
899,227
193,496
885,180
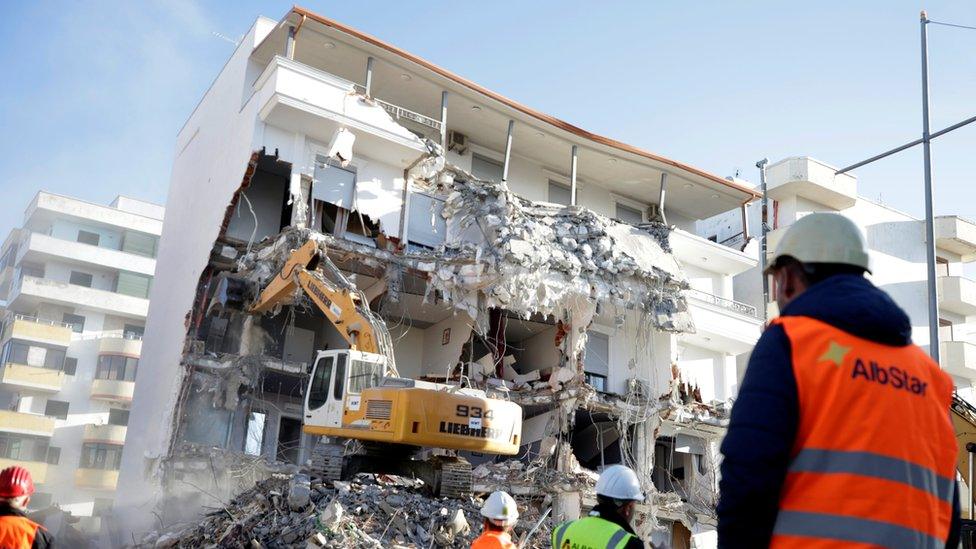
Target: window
596,381
32,269
363,375
97,455
941,266
254,439
133,284
40,500
57,409
86,237
80,279
340,377
132,331
18,352
53,455
140,244
559,193
318,392
70,366
23,448
628,214
597,357
77,322
116,367
118,416
333,183
486,168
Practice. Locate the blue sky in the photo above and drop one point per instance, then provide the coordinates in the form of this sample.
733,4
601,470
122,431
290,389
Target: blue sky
95,92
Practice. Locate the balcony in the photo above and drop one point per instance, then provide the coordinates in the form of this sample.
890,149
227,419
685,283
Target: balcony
957,294
299,98
21,376
38,469
32,291
692,249
812,180
956,235
26,424
47,206
722,324
118,344
108,434
958,358
97,479
112,390
39,248
28,328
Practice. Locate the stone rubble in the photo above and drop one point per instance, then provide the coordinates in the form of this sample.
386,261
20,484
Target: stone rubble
371,511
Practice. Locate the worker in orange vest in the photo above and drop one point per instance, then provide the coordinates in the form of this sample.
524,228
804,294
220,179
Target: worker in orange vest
500,515
17,531
840,435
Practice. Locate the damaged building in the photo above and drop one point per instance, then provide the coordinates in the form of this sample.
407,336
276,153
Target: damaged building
500,248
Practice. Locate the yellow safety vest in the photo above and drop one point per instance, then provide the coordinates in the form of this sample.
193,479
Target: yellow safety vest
589,533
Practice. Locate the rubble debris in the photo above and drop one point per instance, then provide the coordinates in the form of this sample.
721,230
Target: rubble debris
367,512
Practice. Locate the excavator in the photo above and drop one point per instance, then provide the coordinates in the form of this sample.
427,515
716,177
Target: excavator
356,399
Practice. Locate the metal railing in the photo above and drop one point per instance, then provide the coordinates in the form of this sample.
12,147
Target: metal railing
398,112
728,304
34,319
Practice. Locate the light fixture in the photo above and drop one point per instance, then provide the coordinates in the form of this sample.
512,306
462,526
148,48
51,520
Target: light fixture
612,160
540,135
687,185
405,77
476,108
329,45
714,195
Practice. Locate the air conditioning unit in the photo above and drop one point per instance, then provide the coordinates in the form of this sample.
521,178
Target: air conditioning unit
457,142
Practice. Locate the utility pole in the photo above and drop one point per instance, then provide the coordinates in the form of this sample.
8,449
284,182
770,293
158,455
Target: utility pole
763,229
933,291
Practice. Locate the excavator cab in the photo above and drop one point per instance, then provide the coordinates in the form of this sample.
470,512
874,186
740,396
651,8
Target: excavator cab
337,382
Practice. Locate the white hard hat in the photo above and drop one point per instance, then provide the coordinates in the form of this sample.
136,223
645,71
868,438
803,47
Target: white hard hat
619,482
823,238
500,508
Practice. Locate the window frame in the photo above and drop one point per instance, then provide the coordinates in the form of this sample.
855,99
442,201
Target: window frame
86,234
616,199
91,279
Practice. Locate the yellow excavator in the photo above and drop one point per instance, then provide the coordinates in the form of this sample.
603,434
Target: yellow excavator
355,394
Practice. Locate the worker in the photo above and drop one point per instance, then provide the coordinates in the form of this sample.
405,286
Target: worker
500,515
617,493
840,435
17,531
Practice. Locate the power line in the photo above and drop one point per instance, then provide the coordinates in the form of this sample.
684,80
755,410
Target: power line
951,25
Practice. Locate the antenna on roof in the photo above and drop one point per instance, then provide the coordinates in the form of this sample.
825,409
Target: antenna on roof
231,40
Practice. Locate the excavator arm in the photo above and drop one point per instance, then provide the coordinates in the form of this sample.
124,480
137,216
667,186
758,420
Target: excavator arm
341,306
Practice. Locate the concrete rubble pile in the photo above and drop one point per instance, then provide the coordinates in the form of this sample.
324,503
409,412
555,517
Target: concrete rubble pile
294,511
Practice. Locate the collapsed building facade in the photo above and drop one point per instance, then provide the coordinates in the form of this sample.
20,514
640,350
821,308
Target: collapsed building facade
502,248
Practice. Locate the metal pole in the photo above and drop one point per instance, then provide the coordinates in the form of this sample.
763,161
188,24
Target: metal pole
763,229
929,219
660,198
369,76
290,43
444,119
508,150
572,178
745,222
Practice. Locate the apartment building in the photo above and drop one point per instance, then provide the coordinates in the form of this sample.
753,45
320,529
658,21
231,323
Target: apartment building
498,244
74,286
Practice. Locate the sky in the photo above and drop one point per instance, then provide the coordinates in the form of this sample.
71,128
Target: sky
95,92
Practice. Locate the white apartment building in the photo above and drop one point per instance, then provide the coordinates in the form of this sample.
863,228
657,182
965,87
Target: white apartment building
74,286
268,150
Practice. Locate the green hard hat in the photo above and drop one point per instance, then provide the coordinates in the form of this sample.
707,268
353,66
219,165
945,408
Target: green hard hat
823,238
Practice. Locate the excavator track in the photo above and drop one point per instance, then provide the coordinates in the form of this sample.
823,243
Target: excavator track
454,478
327,461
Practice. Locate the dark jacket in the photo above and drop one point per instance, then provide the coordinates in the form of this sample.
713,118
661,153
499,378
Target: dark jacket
764,418
18,531
608,513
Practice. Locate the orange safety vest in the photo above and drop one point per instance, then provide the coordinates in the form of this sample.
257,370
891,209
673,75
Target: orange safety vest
874,459
493,540
17,532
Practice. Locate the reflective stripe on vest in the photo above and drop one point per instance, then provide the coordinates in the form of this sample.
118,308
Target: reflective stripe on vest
589,533
874,457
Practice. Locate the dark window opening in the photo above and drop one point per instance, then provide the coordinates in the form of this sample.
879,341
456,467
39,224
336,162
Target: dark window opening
56,409
116,367
70,366
80,279
87,237
118,416
97,455
318,392
289,439
77,322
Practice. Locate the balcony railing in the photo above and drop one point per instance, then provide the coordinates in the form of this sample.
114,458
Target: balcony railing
34,319
728,304
398,112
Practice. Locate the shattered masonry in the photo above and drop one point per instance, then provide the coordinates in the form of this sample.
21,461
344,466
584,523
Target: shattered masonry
503,259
